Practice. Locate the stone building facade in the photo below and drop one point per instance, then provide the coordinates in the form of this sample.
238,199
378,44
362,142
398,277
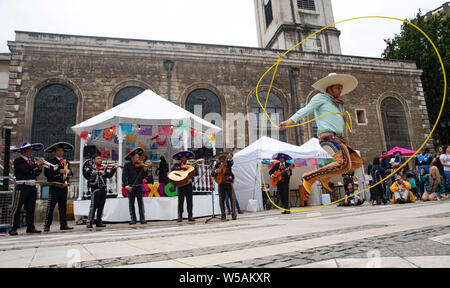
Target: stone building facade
95,69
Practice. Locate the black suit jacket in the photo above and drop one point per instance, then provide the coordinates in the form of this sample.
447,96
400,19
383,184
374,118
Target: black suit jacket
55,176
25,171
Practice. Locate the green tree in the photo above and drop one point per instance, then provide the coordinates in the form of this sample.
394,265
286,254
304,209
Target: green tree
411,44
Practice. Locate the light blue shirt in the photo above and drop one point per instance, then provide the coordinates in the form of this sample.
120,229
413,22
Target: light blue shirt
320,104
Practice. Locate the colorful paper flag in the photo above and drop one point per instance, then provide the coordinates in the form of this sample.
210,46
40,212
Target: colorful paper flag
95,134
131,138
165,130
109,133
312,161
145,130
127,128
300,162
84,135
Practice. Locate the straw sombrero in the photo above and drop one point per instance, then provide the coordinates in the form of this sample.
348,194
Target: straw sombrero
348,83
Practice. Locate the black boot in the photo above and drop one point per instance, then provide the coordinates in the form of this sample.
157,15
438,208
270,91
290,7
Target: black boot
46,229
99,223
13,232
65,228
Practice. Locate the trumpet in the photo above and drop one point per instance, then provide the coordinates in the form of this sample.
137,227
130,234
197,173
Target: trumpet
49,165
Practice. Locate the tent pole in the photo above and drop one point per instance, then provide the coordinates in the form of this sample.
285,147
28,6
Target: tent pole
81,180
119,171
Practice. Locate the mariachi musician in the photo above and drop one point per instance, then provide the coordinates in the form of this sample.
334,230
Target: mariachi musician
58,177
185,190
26,172
96,173
133,173
224,176
282,169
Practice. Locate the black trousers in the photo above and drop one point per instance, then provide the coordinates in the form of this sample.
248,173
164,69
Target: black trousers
185,192
136,193
98,198
283,191
24,196
227,188
57,196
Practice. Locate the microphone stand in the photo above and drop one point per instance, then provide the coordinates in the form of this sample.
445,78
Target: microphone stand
213,216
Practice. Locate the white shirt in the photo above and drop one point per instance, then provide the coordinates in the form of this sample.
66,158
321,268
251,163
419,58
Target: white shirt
446,159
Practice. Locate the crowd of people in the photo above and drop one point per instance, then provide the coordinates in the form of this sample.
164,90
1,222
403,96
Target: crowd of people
429,181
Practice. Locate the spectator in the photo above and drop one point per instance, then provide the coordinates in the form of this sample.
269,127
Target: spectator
445,161
410,177
437,162
401,191
434,185
397,161
357,199
377,174
353,200
423,161
386,165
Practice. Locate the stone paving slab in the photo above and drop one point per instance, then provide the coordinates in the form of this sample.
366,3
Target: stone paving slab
60,255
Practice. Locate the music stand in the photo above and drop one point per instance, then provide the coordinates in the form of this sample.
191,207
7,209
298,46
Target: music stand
212,201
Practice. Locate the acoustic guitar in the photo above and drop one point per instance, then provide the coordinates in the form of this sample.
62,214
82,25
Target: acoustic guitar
219,177
182,177
277,176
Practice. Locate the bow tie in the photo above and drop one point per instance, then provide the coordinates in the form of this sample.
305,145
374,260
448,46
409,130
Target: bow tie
337,101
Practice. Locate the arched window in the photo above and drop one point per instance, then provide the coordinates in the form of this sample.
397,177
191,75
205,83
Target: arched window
55,111
126,94
274,109
207,102
394,123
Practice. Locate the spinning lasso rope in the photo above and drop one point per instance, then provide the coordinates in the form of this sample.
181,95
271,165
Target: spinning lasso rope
348,124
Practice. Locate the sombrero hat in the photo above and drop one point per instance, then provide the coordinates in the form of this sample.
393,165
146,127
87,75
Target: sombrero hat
221,155
26,145
66,146
138,150
277,156
347,81
188,154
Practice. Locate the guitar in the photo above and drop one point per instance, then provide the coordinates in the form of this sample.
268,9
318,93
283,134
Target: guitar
182,177
219,177
278,176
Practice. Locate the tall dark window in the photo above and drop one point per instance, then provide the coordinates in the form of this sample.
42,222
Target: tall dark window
209,103
268,11
126,94
275,110
55,111
394,123
306,5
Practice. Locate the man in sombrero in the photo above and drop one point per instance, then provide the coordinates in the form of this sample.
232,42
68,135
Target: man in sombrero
58,179
26,172
330,128
134,172
184,191
283,184
223,167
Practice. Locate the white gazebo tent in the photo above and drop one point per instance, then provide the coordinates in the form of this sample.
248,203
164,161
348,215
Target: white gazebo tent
247,165
147,108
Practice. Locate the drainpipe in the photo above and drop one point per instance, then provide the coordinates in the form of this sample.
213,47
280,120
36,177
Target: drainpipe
168,65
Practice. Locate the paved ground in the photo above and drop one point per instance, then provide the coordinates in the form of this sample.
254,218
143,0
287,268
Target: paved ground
408,235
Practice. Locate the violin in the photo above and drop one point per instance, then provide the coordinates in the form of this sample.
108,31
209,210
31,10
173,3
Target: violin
142,164
106,167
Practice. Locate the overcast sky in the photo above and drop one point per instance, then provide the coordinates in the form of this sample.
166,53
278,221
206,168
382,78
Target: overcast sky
230,22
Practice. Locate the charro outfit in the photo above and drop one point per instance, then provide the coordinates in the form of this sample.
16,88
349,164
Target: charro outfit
97,184
26,172
133,176
283,184
57,193
184,191
226,187
330,129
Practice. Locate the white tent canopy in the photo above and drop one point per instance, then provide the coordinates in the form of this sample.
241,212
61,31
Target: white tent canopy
147,108
247,164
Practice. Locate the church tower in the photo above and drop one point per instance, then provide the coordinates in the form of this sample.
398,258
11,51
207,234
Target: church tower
282,24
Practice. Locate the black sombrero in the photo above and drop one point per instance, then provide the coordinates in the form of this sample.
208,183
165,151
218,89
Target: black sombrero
277,156
64,145
26,145
188,154
138,150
